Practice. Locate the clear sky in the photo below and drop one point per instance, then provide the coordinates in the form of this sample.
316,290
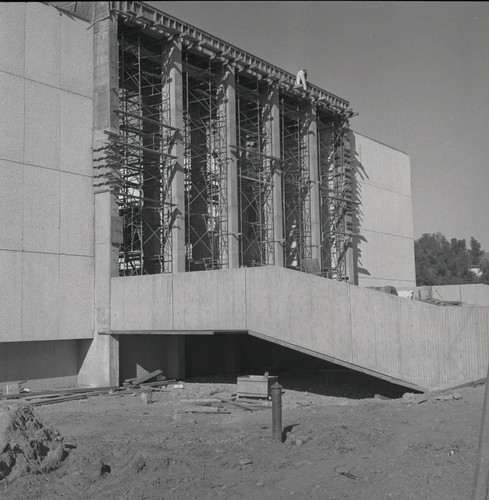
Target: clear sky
416,72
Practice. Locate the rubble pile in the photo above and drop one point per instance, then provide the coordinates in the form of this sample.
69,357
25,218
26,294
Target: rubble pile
27,444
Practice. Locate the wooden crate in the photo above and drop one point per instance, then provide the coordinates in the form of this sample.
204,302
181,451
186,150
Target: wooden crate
255,386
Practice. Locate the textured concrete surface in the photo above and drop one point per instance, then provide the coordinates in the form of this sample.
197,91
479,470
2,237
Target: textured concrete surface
385,249
416,344
46,242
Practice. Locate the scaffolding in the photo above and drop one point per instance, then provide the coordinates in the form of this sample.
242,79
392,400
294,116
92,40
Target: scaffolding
139,154
336,195
255,171
294,127
205,165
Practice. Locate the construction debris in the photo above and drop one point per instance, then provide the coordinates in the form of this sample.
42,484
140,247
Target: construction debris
27,444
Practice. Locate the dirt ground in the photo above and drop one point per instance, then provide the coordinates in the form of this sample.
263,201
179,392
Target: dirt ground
349,438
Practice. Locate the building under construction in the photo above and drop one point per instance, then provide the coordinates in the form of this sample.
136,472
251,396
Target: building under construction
171,201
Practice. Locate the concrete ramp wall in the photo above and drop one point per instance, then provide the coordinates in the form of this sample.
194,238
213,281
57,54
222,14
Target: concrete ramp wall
411,343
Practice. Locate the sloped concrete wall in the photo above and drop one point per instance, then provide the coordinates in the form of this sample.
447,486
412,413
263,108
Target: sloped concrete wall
46,196
409,342
386,243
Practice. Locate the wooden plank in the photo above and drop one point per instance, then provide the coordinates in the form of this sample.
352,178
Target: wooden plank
146,378
59,400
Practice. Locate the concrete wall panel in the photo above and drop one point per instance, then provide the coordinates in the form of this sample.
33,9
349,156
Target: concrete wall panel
386,260
75,134
477,295
10,295
11,205
384,166
41,210
386,212
76,215
142,303
386,243
40,296
42,44
209,300
11,117
75,297
76,56
12,26
42,125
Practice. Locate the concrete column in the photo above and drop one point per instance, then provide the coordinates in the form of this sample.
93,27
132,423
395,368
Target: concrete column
175,357
227,109
314,178
173,62
270,100
100,366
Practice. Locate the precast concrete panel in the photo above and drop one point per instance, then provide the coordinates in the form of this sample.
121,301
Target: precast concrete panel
76,56
42,44
41,210
40,296
76,215
11,117
386,212
385,260
10,295
75,297
11,205
12,32
209,300
384,167
76,121
42,125
141,303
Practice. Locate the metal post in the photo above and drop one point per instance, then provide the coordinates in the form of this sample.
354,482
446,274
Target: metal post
276,390
482,469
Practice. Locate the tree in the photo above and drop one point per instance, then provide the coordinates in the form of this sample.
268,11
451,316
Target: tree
439,262
475,252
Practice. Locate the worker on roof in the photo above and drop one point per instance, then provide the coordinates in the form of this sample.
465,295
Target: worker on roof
301,79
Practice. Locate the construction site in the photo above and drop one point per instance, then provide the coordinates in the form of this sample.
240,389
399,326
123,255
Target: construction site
180,214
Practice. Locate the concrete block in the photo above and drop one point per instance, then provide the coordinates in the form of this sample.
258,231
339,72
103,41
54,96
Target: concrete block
76,215
76,56
12,26
75,134
40,296
12,117
42,125
10,296
42,43
41,210
76,297
11,205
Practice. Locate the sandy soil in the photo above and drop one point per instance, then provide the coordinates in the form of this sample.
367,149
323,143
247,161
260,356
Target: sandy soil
416,446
